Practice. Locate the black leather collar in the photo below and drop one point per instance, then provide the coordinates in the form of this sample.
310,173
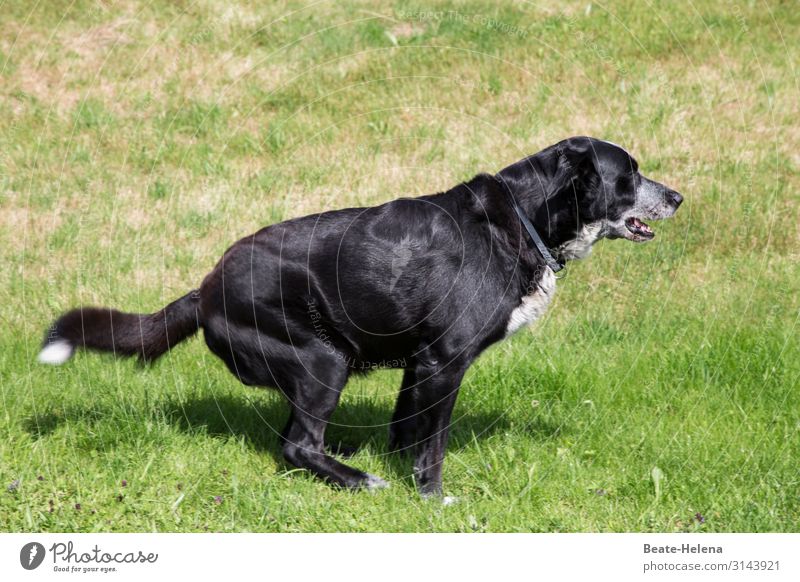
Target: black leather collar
535,239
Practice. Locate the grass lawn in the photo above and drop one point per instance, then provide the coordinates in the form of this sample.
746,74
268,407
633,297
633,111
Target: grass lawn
139,140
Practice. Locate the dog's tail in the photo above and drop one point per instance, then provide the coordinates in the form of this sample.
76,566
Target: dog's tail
124,334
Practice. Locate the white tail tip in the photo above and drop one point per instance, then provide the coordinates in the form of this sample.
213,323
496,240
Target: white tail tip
56,353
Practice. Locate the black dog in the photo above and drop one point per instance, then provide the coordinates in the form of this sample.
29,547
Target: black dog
424,283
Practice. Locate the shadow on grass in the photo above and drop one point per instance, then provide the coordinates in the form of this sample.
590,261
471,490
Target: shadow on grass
357,424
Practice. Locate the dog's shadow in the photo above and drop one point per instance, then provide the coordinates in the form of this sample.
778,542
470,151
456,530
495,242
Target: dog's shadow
360,424
357,426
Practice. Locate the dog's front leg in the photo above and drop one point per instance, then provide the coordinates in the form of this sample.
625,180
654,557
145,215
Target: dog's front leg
403,428
436,392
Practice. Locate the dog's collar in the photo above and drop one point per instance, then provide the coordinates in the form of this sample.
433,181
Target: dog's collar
537,241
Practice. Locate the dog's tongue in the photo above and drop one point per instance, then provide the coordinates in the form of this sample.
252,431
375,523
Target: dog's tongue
641,225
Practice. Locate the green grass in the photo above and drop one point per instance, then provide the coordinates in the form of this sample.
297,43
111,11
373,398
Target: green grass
139,140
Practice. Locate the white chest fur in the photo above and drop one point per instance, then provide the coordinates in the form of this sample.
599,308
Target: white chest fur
581,246
534,304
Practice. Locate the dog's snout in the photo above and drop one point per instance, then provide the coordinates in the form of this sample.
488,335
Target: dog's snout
673,197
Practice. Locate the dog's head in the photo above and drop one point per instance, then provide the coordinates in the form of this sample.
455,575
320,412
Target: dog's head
616,194
585,189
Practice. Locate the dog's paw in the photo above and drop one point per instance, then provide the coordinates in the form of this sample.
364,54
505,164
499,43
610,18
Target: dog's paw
436,496
373,483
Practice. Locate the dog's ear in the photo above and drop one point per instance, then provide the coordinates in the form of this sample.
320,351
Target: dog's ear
574,165
577,162
553,172
574,174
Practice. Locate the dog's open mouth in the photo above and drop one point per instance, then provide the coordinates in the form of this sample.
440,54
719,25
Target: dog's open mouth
640,230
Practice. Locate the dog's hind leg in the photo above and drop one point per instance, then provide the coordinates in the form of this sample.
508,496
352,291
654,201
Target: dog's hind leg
312,399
